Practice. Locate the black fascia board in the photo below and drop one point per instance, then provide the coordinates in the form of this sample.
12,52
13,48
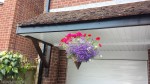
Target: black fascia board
137,20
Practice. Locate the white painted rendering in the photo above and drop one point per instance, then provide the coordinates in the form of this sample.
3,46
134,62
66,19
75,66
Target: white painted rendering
1,1
108,72
94,5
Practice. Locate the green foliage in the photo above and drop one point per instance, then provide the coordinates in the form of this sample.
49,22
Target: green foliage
11,64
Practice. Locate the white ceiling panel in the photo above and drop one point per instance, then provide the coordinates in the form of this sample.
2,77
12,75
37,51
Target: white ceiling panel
135,38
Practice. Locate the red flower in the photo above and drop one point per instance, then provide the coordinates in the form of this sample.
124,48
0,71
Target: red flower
84,35
100,45
89,35
97,38
62,40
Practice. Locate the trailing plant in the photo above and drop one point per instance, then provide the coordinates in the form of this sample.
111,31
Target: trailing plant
80,46
12,64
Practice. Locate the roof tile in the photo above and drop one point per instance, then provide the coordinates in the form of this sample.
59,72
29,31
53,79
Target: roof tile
90,14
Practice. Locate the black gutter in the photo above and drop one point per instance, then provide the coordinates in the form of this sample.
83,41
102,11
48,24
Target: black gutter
41,67
47,6
40,73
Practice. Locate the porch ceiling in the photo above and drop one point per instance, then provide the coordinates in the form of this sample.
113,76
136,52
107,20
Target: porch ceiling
133,38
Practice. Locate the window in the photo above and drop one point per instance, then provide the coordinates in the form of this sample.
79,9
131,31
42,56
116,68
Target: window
1,1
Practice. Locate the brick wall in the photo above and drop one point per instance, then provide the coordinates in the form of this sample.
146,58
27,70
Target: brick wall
13,12
68,3
62,71
7,11
53,69
58,67
25,9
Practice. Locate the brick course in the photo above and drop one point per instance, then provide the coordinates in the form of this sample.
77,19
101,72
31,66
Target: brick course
68,3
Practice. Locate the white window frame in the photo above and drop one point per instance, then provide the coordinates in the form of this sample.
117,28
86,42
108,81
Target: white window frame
1,1
94,5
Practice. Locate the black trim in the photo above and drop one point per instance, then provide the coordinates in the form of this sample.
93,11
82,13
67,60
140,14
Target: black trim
39,51
46,74
47,7
41,68
40,73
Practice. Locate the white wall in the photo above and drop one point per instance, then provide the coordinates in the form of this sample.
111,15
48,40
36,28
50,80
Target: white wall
130,67
108,72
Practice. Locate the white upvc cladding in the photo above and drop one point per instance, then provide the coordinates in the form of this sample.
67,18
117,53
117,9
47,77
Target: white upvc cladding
108,72
115,67
94,5
1,1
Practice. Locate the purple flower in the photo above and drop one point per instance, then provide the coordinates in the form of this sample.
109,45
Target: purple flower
83,51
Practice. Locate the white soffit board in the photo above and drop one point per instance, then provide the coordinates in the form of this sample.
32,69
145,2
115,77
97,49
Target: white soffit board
1,1
134,38
122,55
108,72
94,5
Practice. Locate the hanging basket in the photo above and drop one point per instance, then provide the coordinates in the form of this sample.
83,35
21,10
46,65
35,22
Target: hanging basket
80,47
78,64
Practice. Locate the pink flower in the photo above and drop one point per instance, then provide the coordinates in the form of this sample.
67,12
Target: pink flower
79,34
69,35
98,38
64,40
74,35
69,39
